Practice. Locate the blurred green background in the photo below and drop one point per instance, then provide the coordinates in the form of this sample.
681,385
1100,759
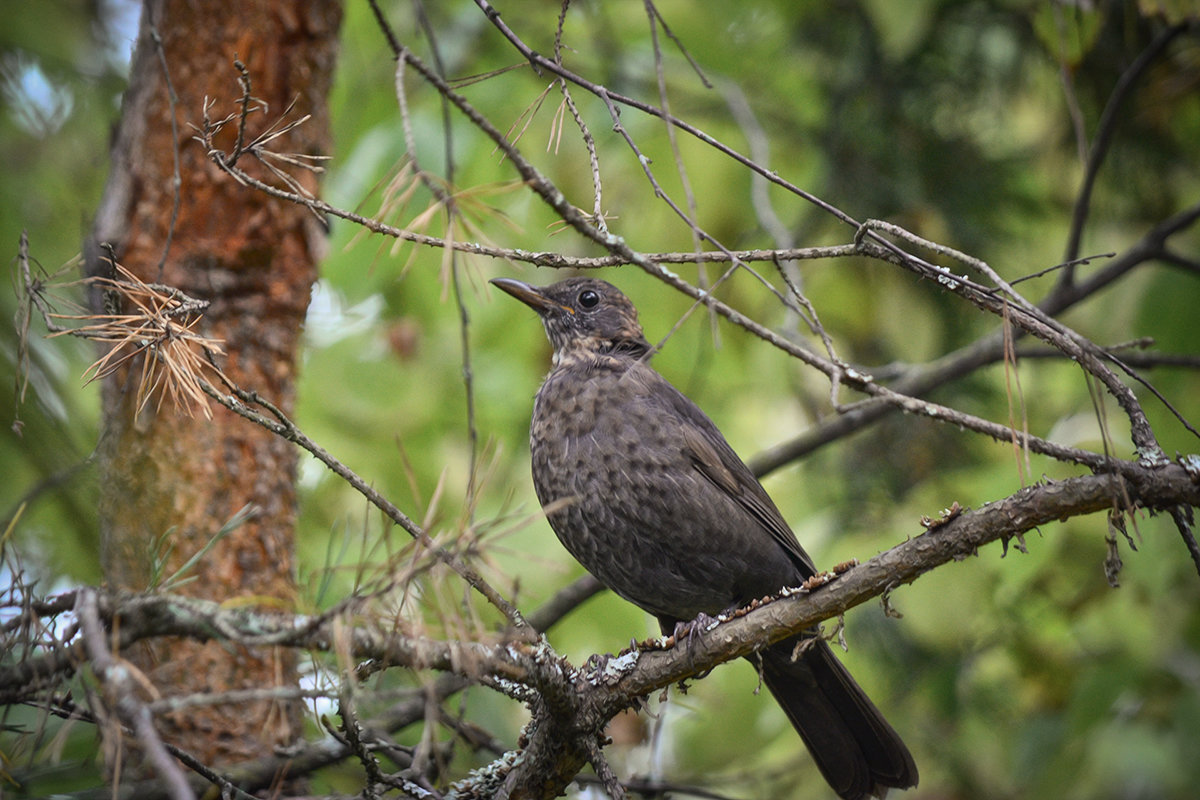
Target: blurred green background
1015,676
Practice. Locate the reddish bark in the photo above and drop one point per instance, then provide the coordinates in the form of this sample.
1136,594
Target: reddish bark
254,259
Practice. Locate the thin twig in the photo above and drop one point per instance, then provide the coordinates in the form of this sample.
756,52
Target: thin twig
241,401
541,63
464,316
604,771
244,82
122,693
691,217
922,380
1104,135
979,295
589,143
1185,523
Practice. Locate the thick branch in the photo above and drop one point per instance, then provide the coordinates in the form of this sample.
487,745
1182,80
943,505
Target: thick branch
959,537
298,762
571,710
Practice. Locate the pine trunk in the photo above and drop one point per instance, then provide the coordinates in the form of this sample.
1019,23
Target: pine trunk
170,481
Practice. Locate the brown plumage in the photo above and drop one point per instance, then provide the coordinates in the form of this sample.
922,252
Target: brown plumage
653,501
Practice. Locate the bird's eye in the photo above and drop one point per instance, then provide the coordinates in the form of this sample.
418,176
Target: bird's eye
589,299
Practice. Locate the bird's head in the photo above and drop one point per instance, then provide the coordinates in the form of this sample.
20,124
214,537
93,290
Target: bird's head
583,316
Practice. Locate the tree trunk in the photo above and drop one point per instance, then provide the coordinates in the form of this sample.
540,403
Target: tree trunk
169,481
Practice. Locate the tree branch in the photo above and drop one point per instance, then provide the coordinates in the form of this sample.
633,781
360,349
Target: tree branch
571,707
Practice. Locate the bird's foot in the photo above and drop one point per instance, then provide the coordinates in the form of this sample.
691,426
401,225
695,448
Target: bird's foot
597,662
688,631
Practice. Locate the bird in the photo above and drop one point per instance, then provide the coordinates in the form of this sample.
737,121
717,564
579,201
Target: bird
642,489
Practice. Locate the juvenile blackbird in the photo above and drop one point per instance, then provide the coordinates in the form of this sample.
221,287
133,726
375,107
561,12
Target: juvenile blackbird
648,496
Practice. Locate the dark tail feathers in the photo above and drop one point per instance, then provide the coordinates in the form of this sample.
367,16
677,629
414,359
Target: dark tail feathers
855,748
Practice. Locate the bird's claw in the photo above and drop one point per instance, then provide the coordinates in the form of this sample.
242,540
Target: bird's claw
690,630
597,662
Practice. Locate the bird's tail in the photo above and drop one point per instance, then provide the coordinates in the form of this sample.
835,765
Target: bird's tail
855,748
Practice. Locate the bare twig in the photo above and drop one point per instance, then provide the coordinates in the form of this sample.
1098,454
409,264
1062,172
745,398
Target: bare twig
1184,520
604,771
588,142
242,402
122,692
1104,133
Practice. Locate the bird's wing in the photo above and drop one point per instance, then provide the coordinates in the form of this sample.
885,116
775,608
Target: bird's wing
717,462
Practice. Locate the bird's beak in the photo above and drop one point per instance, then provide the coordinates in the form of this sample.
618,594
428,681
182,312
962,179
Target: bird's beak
529,295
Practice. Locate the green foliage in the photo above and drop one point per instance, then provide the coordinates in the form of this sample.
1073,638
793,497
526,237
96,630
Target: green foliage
61,77
1017,674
